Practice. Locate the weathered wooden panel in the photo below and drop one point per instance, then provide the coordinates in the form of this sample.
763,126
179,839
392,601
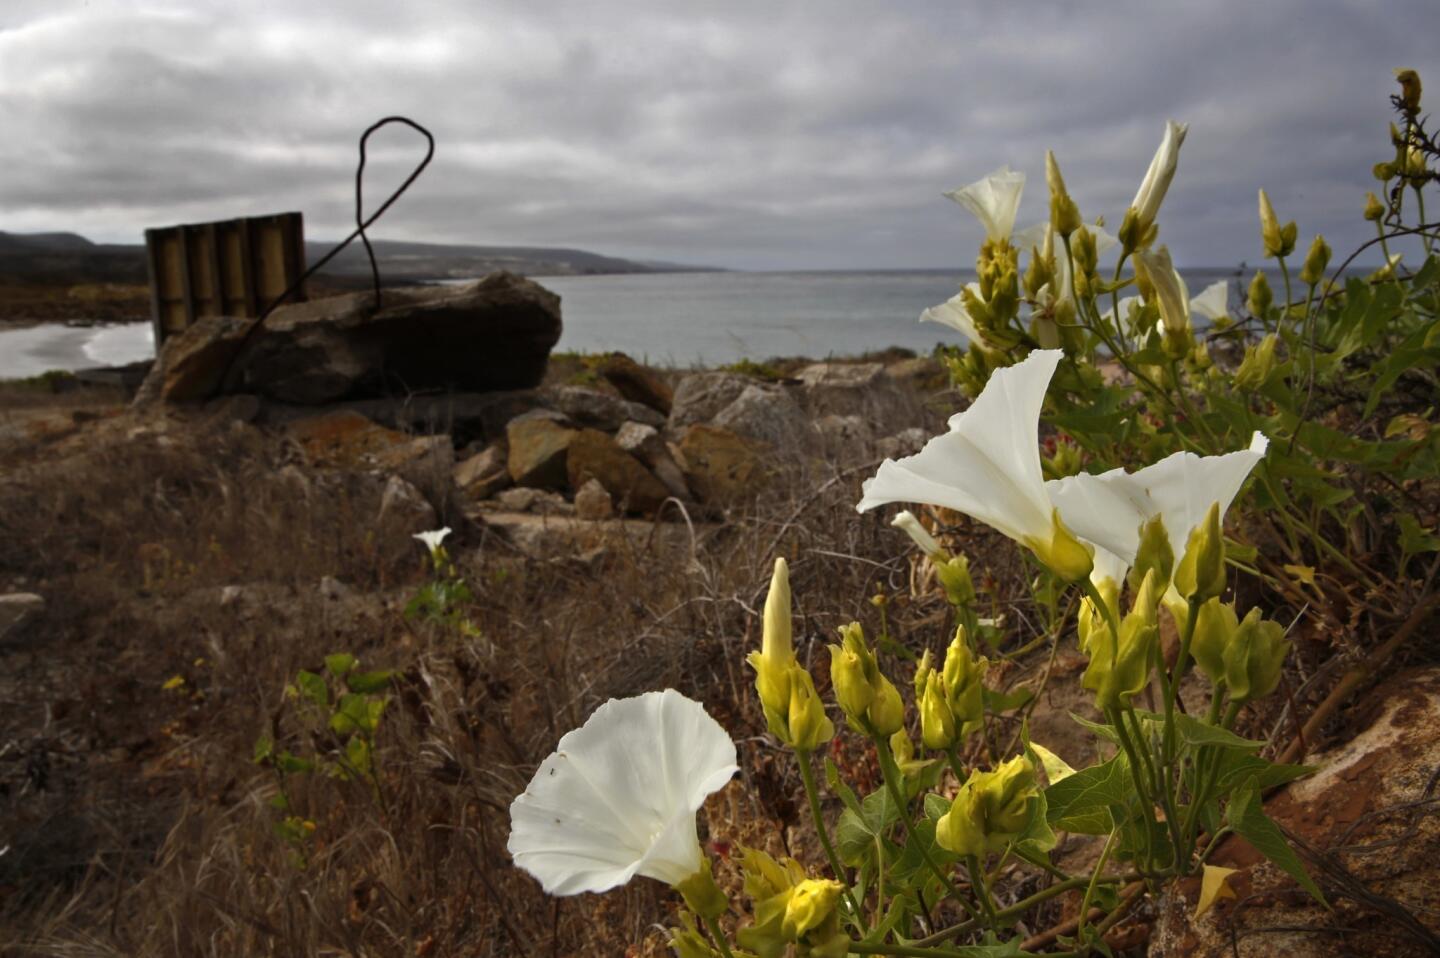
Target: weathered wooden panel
229,268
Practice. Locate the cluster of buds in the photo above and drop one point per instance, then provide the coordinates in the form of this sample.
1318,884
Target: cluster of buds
953,571
1279,240
1243,657
790,908
1258,364
870,701
952,699
990,810
1120,665
996,302
793,710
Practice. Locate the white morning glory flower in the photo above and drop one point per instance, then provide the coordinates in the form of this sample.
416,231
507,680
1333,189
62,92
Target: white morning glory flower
433,538
988,467
994,200
1157,178
953,313
618,796
1109,509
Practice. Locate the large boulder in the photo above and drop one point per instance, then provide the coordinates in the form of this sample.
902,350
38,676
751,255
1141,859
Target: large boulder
599,410
493,334
537,451
192,364
700,397
720,466
637,383
866,390
645,443
595,455
768,414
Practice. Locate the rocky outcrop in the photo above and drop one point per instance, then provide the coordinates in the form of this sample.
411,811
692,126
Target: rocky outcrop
637,383
721,467
768,414
537,451
700,397
593,454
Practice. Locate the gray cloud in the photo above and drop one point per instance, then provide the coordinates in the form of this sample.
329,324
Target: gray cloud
750,134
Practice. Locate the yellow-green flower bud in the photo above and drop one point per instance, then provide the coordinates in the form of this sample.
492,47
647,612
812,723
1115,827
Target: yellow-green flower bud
1374,209
1383,171
937,724
701,893
1089,619
852,688
1257,365
1255,657
963,682
812,901
1261,298
1154,553
687,942
809,726
1120,670
1134,233
777,652
1279,240
923,668
1409,82
1064,554
887,709
904,751
1215,626
990,810
1201,573
1064,214
954,576
1038,274
1414,163
1315,262
1082,250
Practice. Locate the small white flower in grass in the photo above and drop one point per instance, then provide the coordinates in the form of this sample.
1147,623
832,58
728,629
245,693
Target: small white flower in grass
994,200
433,538
618,796
988,467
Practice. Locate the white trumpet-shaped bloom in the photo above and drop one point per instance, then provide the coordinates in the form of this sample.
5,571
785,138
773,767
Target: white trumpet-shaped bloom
953,313
618,796
994,200
988,464
1109,509
433,538
1157,178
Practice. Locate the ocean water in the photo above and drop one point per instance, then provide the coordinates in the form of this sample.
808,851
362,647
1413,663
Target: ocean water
676,319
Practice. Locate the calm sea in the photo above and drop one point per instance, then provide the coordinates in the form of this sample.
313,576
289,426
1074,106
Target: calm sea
664,318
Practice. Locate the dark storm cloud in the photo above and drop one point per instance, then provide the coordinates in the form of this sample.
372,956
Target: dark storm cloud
758,135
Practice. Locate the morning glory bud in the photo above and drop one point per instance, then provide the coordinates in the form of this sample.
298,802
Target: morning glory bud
906,522
937,724
1261,298
1154,553
954,576
1201,573
1119,670
1315,262
701,893
1083,252
1257,365
811,902
1279,240
809,727
963,681
773,662
1410,90
922,673
1374,209
887,710
1038,274
1255,657
1064,214
990,810
1066,556
1215,626
852,688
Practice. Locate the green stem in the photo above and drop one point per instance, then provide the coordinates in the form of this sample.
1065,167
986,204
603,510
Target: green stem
1137,773
807,776
1285,273
713,926
888,772
1024,905
1095,880
1181,661
982,889
1420,204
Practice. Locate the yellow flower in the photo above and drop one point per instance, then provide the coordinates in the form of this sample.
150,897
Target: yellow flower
990,810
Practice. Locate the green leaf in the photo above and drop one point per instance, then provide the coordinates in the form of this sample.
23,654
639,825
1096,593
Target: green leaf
264,748
855,834
1194,732
1248,818
1081,803
292,764
838,787
369,682
1037,839
1414,538
1005,701
1235,767
340,663
357,754
1106,732
312,687
357,713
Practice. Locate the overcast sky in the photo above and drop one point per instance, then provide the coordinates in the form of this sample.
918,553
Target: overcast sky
751,135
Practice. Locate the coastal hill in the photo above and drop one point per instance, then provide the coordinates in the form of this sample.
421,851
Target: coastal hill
68,258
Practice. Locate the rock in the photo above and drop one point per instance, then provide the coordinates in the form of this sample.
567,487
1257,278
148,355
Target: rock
594,455
637,383
719,465
700,397
906,442
342,438
537,452
646,444
921,373
593,502
493,334
598,410
403,507
483,474
1367,808
192,364
768,414
17,611
857,389
541,501
841,432
333,590
551,537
